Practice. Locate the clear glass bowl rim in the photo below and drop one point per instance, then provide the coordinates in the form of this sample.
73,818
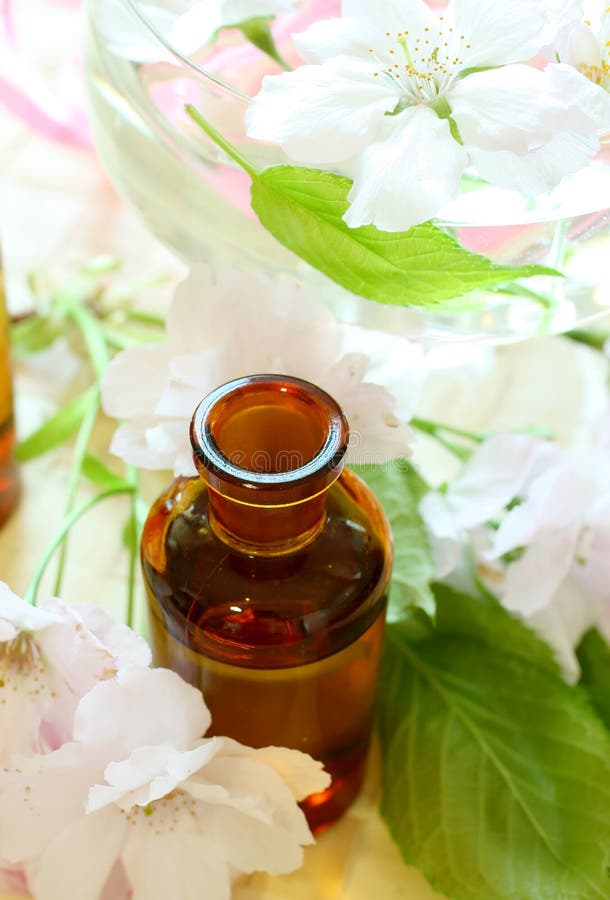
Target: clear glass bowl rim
135,7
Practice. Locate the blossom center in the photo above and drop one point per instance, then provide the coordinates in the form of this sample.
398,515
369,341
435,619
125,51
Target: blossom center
423,63
21,660
598,73
160,816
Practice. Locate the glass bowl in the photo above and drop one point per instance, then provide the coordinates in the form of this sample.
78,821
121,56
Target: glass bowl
197,201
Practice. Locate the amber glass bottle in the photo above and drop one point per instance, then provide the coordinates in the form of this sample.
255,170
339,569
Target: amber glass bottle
9,475
267,578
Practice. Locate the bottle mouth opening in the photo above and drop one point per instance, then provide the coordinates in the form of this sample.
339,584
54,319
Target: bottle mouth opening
268,430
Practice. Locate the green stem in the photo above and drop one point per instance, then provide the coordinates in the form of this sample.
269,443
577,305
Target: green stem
460,452
148,318
91,331
80,449
433,428
98,356
68,522
221,141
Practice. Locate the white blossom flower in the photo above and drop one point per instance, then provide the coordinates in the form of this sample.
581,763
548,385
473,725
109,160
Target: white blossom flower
536,520
49,659
403,98
227,325
198,26
584,41
139,791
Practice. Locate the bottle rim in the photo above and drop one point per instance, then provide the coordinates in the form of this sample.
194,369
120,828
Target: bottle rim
326,463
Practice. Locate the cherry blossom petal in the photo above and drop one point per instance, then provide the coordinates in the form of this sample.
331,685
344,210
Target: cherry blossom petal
276,847
149,774
540,170
556,500
495,474
562,624
396,14
198,25
117,712
578,46
301,774
133,382
532,581
128,648
323,114
16,616
78,861
593,552
362,29
252,324
177,864
509,107
43,797
420,144
588,104
498,32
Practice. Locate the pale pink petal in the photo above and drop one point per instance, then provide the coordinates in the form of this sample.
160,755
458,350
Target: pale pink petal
540,170
16,615
532,581
578,46
130,444
43,796
421,144
77,863
557,499
396,15
588,103
496,473
512,107
149,774
323,114
133,381
301,774
564,622
117,713
362,29
128,648
176,865
592,558
498,32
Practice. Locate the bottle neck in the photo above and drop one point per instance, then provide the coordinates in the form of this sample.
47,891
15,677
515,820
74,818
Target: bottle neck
269,448
267,530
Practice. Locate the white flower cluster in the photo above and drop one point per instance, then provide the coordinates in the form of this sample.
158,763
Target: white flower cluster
531,521
226,324
403,99
108,790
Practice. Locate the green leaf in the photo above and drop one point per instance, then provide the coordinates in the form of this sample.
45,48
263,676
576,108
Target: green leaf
485,620
496,773
594,658
98,473
304,208
58,429
400,488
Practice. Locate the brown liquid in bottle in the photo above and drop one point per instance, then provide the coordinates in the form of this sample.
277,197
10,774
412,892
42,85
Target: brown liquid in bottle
271,598
9,476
